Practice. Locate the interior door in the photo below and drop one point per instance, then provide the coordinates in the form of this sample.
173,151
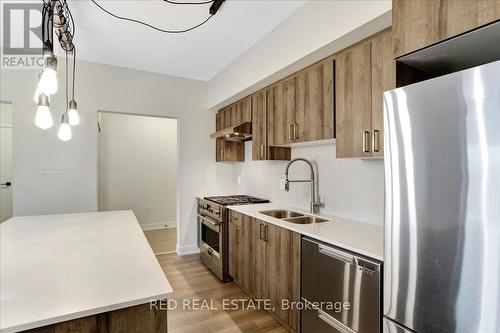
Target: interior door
5,161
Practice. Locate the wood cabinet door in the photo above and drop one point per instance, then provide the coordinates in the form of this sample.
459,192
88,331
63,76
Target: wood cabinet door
281,112
234,238
258,265
283,272
420,23
245,110
353,101
245,252
314,103
383,79
259,126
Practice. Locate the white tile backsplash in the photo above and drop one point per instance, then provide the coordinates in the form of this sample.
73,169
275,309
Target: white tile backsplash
351,188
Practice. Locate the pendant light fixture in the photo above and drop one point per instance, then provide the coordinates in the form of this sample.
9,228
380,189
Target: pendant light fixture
64,133
56,14
43,117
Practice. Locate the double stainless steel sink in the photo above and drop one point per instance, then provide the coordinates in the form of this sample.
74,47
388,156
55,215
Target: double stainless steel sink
293,217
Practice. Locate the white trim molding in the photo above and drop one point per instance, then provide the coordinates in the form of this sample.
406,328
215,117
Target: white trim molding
186,250
160,225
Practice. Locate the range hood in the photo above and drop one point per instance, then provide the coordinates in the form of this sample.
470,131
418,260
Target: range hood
241,132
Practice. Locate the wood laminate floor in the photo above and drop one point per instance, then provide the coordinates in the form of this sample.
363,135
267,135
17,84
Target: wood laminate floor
191,280
162,240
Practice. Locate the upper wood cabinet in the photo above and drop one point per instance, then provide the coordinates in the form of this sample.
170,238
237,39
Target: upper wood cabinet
363,72
281,112
314,103
383,79
300,108
232,115
353,100
420,23
259,126
262,102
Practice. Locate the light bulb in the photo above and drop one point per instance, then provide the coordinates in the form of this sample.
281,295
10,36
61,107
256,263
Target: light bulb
48,80
64,133
43,117
73,117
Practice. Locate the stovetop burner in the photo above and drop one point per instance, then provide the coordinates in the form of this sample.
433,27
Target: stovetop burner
230,200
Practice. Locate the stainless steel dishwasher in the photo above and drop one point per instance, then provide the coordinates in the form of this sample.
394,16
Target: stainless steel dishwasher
341,291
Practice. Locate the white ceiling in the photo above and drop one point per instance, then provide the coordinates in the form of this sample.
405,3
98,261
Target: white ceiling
199,54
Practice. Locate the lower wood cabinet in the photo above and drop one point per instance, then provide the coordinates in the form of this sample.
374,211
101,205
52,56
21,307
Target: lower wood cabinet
140,318
264,260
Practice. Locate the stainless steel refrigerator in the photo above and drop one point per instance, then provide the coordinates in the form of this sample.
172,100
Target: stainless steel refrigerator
442,214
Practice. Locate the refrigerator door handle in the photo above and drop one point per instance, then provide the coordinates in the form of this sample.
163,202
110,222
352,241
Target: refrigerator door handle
331,252
334,322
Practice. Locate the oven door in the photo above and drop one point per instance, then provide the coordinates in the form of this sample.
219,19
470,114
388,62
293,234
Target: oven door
211,239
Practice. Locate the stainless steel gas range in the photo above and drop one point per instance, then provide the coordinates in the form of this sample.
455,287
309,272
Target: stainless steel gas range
213,219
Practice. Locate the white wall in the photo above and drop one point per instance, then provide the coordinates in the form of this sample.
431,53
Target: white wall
110,88
137,167
351,188
314,31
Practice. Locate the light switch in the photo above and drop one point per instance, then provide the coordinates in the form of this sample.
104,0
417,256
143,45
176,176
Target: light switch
51,169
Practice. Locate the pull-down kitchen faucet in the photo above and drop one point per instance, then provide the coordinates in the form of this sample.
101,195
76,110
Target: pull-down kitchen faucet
314,203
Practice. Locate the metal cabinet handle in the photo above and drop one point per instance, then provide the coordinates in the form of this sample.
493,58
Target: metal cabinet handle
375,141
260,231
6,184
334,322
296,131
366,139
290,130
331,252
222,154
266,233
261,151
237,235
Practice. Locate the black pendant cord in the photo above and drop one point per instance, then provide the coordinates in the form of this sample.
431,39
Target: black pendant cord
152,26
67,101
189,3
74,71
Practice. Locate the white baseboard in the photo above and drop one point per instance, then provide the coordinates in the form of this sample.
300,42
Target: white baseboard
185,250
161,225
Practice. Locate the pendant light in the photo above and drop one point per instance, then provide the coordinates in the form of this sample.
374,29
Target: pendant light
64,133
47,83
56,17
43,117
74,118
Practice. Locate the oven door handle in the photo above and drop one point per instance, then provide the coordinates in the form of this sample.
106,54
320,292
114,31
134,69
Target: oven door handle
209,223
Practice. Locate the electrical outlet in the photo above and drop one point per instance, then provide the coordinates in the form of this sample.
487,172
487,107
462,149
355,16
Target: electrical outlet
282,184
51,169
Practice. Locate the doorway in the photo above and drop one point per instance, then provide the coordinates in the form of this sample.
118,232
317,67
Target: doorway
137,170
5,161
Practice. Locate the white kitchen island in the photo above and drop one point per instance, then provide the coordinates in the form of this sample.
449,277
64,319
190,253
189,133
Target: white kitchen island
59,268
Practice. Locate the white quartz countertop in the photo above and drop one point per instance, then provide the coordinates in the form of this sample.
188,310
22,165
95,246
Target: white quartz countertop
60,267
363,238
